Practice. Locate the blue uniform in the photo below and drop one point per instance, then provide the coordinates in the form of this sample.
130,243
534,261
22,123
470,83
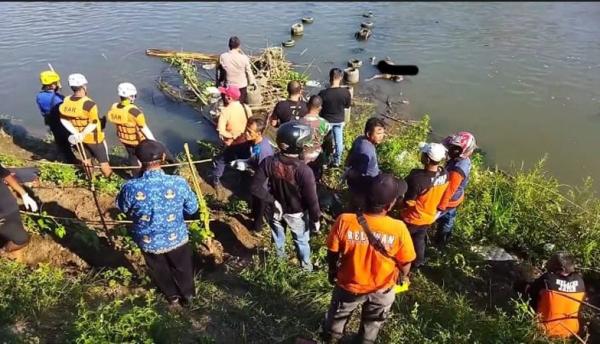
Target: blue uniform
259,152
155,202
46,100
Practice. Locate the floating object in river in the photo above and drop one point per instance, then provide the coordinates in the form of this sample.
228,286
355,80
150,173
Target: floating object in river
313,83
308,20
363,34
352,75
289,43
209,66
355,63
389,67
297,29
367,24
368,14
373,58
396,78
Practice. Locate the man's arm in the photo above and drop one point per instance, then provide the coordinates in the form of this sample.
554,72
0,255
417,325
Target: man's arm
308,191
249,73
190,199
68,125
222,125
455,178
257,186
122,202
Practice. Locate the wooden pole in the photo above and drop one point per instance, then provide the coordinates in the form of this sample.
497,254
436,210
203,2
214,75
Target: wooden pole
90,177
204,215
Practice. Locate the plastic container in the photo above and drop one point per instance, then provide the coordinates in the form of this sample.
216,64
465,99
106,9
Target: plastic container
352,75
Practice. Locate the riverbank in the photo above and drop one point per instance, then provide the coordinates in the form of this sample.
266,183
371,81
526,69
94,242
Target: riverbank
252,298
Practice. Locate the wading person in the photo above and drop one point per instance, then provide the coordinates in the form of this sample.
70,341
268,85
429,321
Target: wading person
426,187
235,69
156,203
368,254
79,115
258,147
460,148
130,122
336,102
12,233
313,154
48,101
556,296
231,126
361,163
290,109
287,183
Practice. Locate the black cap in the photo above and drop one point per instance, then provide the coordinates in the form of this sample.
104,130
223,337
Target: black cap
149,150
384,189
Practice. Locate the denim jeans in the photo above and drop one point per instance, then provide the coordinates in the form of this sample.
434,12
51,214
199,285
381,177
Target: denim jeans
300,233
230,153
338,137
445,224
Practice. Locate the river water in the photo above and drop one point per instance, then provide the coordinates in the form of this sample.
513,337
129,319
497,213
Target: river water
524,77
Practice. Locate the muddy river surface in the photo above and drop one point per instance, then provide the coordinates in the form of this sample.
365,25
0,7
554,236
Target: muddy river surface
524,77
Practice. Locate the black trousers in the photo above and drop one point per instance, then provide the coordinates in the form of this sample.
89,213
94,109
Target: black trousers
172,272
61,138
418,235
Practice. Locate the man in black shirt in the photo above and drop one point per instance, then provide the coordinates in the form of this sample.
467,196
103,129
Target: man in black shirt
336,101
290,109
11,227
287,183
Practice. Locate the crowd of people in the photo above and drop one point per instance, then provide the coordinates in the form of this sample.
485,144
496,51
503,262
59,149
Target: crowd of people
371,254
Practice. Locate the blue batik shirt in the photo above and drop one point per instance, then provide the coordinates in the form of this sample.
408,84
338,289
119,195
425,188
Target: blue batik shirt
155,202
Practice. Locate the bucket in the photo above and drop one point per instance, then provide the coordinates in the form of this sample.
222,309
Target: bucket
352,76
254,97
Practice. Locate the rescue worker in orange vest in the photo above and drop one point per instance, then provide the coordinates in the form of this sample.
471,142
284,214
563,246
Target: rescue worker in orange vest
79,115
369,256
130,122
426,187
460,148
556,296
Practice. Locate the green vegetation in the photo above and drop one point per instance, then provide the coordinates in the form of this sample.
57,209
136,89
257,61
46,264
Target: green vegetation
11,161
61,175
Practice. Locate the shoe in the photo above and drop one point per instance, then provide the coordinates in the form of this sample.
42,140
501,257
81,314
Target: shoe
174,303
187,301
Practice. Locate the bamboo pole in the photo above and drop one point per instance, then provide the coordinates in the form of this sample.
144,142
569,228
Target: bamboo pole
90,176
204,213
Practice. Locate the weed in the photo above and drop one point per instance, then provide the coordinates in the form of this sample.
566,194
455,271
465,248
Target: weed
110,185
11,161
61,175
43,225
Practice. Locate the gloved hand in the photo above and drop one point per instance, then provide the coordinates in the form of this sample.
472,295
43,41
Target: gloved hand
76,138
29,202
278,212
240,164
317,227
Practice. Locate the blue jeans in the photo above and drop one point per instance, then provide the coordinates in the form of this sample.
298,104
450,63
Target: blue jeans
338,137
300,233
445,224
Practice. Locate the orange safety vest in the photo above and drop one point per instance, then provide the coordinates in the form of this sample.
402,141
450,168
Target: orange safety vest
80,118
128,131
559,313
422,210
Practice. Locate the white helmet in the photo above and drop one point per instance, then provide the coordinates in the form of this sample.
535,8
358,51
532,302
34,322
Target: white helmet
77,80
126,90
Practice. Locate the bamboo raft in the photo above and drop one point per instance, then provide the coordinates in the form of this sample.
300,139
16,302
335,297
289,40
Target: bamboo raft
187,55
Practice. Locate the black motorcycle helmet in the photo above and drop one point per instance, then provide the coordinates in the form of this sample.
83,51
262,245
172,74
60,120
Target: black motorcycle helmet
292,137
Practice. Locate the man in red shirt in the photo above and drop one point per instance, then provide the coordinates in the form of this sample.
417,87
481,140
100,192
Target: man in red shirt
367,255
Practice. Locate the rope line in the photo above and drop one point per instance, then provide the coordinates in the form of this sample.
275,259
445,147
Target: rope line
75,219
116,167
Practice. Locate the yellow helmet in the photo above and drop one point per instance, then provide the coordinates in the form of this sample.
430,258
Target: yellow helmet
49,77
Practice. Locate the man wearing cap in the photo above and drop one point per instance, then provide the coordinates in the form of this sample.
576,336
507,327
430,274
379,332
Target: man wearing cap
79,115
361,164
48,101
235,69
156,203
368,255
426,187
231,125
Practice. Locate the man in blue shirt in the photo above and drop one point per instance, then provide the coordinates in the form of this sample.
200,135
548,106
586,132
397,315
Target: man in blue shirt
259,147
361,164
48,100
156,203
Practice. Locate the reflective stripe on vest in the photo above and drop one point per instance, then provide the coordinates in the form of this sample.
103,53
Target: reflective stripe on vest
464,167
80,118
127,129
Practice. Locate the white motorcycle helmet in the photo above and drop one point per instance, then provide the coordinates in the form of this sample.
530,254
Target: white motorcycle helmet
126,90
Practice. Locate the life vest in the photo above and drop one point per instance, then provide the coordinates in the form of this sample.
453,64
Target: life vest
80,118
559,304
128,131
464,167
422,210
